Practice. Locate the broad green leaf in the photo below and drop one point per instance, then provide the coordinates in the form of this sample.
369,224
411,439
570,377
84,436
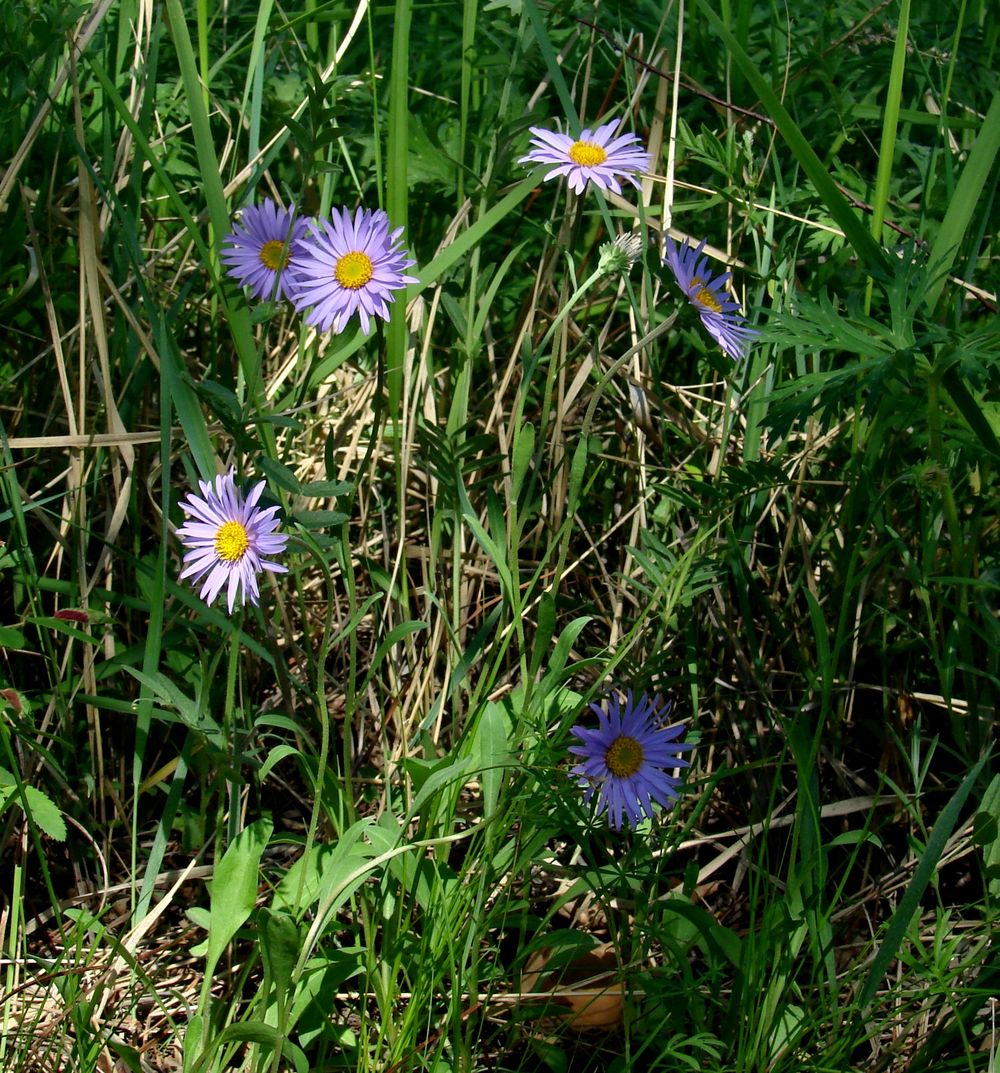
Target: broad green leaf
320,519
275,756
489,751
11,638
326,489
280,474
233,890
523,452
189,711
315,873
280,943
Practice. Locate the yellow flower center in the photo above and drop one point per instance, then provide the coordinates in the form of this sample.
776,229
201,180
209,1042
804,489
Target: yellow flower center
274,255
231,542
704,297
586,154
624,757
354,270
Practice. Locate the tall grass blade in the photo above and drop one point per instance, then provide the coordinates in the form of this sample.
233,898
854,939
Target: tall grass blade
968,191
890,122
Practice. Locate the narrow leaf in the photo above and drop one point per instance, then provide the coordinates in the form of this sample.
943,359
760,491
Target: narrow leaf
963,202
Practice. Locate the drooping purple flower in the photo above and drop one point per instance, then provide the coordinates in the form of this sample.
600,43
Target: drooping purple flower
719,311
260,249
229,540
596,156
349,265
624,759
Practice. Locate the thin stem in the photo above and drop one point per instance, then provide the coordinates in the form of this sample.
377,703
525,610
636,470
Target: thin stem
232,784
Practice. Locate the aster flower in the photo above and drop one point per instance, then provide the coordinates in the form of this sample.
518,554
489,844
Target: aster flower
625,757
229,540
719,311
261,247
347,266
620,255
596,156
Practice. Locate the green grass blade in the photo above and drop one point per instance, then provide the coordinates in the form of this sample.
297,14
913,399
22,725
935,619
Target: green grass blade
254,89
215,197
971,410
963,204
186,403
890,122
397,190
469,238
552,64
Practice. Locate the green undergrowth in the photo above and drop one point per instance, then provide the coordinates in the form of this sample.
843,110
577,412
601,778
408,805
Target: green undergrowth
337,831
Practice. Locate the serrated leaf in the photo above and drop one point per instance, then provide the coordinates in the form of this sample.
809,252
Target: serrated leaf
45,813
222,400
280,474
326,488
41,810
264,311
320,519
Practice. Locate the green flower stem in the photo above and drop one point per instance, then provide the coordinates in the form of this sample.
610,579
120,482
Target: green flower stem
570,304
232,781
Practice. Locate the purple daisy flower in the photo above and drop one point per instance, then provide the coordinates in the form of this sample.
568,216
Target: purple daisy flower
261,247
347,266
719,311
625,757
228,540
596,156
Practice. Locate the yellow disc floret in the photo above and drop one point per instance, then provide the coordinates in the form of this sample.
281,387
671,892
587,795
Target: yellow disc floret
587,154
274,255
624,757
231,542
353,270
704,297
